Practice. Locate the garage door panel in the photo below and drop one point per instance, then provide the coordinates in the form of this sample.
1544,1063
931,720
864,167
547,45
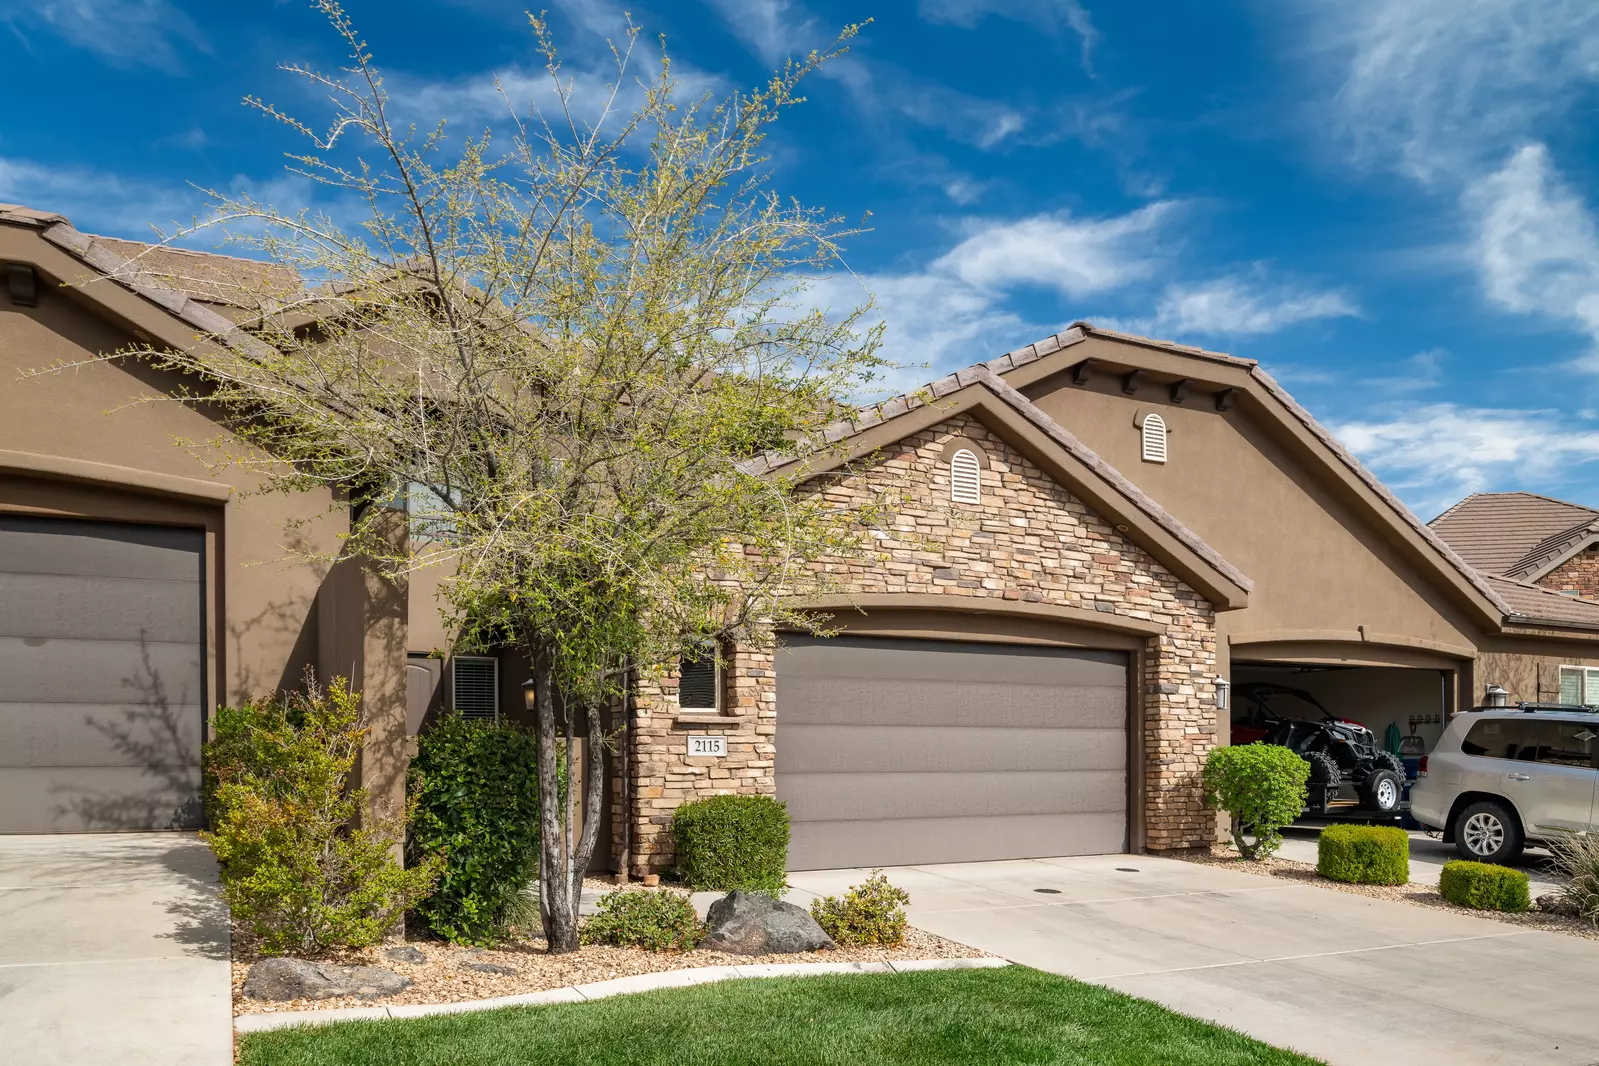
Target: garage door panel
907,749
99,549
842,701
93,734
70,799
950,794
946,660
912,841
104,608
98,671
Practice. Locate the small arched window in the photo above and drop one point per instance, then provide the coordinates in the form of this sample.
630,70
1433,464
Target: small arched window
965,478
1154,438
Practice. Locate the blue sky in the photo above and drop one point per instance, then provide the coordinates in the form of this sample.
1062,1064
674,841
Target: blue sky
1391,203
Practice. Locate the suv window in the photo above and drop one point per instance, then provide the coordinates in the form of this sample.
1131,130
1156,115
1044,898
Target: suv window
1503,738
1567,743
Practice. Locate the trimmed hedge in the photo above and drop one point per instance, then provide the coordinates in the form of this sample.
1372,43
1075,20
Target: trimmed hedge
474,784
1262,789
1484,886
1364,854
732,842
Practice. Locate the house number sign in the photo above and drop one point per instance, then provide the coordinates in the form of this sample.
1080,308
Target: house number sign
699,744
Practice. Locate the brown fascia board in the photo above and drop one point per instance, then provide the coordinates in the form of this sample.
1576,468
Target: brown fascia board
1292,423
983,395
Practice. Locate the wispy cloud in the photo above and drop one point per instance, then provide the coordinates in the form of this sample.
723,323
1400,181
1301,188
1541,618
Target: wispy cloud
1052,16
774,30
1239,305
1074,256
1433,454
125,33
97,200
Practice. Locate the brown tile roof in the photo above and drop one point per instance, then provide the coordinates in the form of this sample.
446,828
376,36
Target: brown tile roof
227,280
1532,604
1511,532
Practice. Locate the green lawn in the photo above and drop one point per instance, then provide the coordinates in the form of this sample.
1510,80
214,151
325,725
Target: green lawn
958,1017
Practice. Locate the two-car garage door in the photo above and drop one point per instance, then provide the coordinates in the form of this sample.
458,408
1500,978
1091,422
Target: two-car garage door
101,675
895,752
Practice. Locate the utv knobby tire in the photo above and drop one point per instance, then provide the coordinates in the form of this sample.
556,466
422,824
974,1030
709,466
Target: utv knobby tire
1387,760
1382,790
1324,780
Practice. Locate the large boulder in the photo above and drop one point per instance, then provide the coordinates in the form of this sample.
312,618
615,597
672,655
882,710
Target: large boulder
282,979
753,923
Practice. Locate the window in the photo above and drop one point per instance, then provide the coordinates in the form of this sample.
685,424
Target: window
1503,738
1154,438
475,686
699,681
1579,684
965,478
1567,743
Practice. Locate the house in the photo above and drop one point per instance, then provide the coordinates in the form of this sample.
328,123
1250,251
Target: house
1099,537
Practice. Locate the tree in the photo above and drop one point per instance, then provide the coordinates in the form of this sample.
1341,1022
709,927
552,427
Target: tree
556,350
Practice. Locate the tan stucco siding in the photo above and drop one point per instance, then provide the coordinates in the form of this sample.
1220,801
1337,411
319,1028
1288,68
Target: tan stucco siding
1321,568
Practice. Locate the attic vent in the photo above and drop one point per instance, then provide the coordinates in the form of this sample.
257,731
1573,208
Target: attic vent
1154,437
965,478
475,689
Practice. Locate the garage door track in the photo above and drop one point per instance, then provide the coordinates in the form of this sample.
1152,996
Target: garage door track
113,949
1346,978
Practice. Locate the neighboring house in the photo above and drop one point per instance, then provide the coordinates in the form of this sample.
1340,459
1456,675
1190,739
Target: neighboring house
1095,535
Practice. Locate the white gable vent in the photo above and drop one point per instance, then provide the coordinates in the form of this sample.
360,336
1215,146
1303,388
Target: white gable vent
965,478
1154,438
475,687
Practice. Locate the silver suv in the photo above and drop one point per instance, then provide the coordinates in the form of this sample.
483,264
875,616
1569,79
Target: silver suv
1503,777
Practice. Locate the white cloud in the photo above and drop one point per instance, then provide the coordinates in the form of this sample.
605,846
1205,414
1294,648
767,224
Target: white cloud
1537,246
775,30
1074,256
1433,454
1239,306
1048,15
126,33
95,200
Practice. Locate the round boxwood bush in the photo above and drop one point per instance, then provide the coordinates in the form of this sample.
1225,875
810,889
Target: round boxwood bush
1484,886
474,785
1262,789
1364,854
732,842
656,920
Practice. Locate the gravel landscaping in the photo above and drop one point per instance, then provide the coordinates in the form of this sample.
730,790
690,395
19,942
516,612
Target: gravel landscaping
451,974
1420,895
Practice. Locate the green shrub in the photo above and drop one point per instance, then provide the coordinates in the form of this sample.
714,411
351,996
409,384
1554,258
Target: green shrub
1484,886
1364,854
474,785
1577,861
1262,789
732,842
296,870
872,912
653,919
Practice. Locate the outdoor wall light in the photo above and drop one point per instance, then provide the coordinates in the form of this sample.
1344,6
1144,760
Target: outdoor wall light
1222,685
530,695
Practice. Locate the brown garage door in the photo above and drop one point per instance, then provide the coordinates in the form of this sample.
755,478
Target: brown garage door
101,676
893,752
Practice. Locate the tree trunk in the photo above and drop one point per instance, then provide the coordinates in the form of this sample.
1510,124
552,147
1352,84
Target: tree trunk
557,907
593,796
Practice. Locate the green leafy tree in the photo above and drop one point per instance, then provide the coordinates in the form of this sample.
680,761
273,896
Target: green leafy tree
1262,789
555,349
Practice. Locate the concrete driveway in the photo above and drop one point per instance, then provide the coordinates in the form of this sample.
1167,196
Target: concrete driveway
1341,977
113,949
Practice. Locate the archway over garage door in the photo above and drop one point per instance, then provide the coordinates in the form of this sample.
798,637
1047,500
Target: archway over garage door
102,682
895,751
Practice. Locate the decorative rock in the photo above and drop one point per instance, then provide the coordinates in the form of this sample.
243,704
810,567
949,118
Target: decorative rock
406,954
282,979
753,923
490,967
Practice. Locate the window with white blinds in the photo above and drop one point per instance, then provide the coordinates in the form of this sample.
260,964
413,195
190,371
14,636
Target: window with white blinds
965,478
1579,684
1154,438
475,686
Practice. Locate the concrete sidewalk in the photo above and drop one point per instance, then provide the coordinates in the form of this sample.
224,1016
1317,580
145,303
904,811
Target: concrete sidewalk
1341,977
113,950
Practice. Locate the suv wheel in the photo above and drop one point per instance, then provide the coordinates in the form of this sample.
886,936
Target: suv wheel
1382,791
1487,831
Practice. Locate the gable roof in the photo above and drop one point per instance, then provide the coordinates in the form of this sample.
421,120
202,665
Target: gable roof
1535,605
1517,534
222,280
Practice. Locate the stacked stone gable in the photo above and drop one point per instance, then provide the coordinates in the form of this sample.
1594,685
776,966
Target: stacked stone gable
1578,574
1029,540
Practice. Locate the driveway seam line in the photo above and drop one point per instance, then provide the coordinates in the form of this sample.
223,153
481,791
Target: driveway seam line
1312,955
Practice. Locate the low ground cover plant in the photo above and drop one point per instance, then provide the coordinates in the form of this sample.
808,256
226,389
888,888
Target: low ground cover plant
1577,861
1484,886
872,912
1364,854
732,842
474,786
658,920
297,871
1262,789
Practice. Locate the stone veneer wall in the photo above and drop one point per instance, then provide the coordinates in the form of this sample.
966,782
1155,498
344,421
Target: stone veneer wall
1030,540
1579,574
